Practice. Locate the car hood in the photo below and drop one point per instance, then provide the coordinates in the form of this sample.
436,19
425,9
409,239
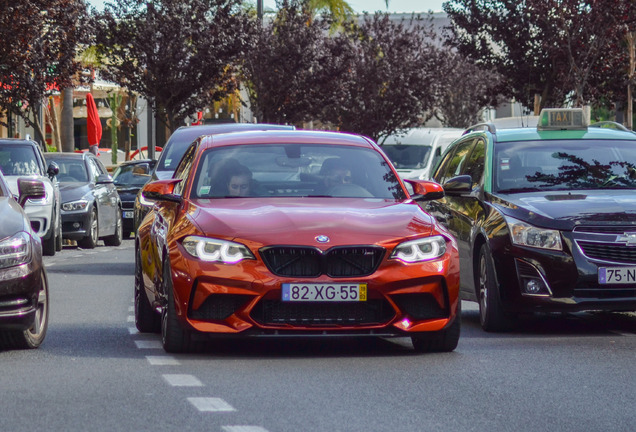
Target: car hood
12,217
73,191
562,209
300,221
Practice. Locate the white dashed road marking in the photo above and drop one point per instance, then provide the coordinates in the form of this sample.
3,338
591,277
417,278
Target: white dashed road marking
148,344
243,429
210,404
182,380
162,361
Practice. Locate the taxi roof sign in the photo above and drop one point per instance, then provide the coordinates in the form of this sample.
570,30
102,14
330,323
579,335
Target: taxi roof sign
562,119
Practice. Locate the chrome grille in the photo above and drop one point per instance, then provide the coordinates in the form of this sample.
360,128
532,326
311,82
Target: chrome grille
605,229
614,252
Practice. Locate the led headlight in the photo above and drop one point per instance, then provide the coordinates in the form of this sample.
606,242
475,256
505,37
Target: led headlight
15,250
524,234
75,205
422,249
215,250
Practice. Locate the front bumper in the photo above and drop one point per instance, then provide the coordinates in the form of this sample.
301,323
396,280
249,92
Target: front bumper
245,298
76,225
19,289
41,218
570,278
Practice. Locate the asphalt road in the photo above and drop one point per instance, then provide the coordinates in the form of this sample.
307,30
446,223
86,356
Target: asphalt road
94,372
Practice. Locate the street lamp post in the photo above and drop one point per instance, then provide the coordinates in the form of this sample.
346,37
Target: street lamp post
259,9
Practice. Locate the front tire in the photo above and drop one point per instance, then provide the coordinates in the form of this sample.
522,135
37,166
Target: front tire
49,245
32,337
90,241
174,338
116,239
59,243
146,319
491,313
440,341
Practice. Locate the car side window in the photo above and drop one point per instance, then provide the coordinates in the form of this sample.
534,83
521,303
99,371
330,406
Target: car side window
454,162
474,166
184,167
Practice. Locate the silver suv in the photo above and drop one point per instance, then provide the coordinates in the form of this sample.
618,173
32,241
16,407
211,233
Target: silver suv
20,158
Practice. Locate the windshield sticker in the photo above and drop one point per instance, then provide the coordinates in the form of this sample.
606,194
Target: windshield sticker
168,162
505,164
204,190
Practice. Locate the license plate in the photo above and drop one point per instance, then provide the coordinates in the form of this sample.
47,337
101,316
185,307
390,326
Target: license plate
128,214
297,292
617,275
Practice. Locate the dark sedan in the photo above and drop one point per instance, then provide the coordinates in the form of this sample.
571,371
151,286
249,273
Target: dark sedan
545,217
129,178
24,287
91,208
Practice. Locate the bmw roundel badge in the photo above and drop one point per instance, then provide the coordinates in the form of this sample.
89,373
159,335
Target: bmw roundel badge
322,239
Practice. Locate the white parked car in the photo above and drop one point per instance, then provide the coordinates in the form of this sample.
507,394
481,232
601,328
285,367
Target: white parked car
415,153
22,158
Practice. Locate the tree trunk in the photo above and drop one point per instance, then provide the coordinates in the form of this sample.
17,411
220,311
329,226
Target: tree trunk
55,125
37,125
67,125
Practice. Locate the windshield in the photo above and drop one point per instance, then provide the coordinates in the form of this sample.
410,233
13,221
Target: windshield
295,170
564,165
18,160
180,139
132,175
407,156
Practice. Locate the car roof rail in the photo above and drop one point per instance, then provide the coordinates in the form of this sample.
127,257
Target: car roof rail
490,127
610,125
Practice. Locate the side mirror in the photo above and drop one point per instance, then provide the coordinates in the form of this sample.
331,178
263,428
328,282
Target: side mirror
458,185
161,190
53,170
425,190
104,179
30,189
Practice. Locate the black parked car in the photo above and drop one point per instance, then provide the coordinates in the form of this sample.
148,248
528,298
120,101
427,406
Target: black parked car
24,287
129,178
545,217
91,208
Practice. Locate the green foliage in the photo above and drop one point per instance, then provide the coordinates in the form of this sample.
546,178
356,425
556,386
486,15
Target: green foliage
40,40
555,48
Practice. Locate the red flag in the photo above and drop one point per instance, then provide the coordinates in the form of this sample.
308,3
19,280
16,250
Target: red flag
93,124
